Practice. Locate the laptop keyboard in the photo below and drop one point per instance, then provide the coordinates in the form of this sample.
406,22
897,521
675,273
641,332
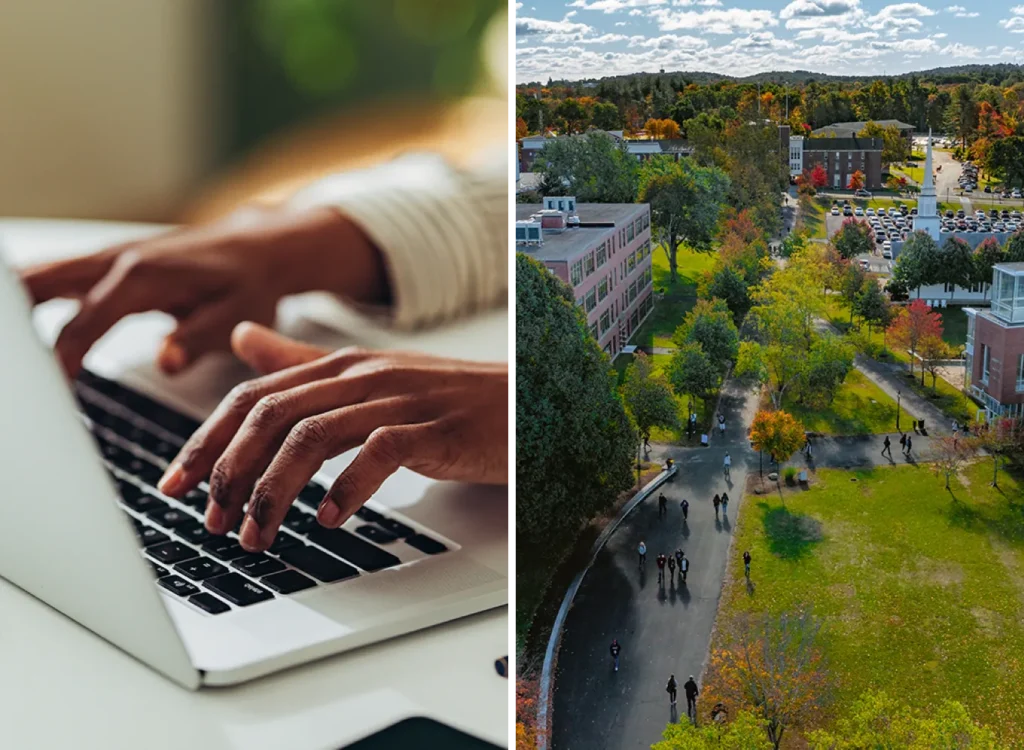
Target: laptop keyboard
138,436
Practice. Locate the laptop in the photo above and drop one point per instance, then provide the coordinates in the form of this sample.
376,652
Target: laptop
84,529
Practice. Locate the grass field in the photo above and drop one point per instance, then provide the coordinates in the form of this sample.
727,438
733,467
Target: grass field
859,408
921,590
814,221
679,297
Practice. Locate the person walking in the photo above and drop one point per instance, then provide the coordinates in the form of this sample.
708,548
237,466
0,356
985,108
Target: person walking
670,688
641,550
746,564
910,444
716,502
662,505
615,648
887,447
684,566
661,568
725,503
726,463
671,568
679,559
721,424
807,444
685,505
903,442
690,688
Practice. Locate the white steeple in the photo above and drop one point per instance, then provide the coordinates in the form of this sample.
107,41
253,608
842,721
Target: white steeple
927,219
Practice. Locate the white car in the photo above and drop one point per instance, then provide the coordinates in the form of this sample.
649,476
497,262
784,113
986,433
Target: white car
858,211
870,211
835,211
887,252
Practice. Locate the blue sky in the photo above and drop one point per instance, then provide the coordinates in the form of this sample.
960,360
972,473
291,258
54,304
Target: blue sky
575,39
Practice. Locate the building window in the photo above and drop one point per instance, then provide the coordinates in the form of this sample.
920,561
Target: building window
606,322
593,330
588,264
602,290
632,292
1020,373
986,352
630,263
602,255
629,232
576,274
591,300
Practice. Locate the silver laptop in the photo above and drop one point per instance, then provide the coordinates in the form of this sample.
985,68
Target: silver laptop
83,528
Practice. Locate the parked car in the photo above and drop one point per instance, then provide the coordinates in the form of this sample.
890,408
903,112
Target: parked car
870,211
834,211
887,252
858,211
847,211
862,193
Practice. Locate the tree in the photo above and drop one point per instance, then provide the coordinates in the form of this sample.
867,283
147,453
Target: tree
605,116
829,362
877,721
775,668
894,146
912,325
854,238
1001,438
957,265
856,180
853,278
710,324
574,442
648,397
686,200
593,167
819,177
792,243
521,131
1006,159
691,372
727,284
1014,248
872,304
918,263
745,732
777,433
934,351
962,114
950,453
986,255
574,114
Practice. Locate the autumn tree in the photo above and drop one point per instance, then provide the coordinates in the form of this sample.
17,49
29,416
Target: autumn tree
912,325
777,433
745,732
1014,247
854,238
574,114
950,454
819,177
710,324
521,131
933,351
1001,438
856,180
648,397
775,668
605,116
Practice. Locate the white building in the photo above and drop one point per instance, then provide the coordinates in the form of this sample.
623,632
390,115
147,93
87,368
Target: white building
796,155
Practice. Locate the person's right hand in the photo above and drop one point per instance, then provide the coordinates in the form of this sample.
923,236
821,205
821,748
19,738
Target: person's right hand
210,278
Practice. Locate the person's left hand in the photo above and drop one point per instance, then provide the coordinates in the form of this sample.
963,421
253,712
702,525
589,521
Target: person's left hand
444,418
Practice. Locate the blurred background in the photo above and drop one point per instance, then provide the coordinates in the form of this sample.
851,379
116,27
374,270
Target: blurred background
179,110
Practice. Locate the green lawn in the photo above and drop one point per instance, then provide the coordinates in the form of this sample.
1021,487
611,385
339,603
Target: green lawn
914,173
679,297
814,222
859,408
921,590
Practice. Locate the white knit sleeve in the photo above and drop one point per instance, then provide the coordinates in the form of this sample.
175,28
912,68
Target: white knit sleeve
443,232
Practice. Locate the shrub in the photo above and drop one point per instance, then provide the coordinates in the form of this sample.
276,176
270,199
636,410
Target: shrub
790,474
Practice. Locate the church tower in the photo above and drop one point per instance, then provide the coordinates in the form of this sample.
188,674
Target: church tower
927,219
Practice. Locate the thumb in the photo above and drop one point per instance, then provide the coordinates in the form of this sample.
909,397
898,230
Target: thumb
267,351
205,330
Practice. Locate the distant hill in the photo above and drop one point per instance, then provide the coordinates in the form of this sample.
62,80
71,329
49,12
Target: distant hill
996,74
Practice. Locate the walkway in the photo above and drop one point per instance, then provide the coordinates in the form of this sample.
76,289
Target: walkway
663,630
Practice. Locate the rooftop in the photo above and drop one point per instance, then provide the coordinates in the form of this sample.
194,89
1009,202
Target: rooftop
1016,269
602,214
858,126
843,144
596,219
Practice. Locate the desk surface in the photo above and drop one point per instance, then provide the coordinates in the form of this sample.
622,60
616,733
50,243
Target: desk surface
61,686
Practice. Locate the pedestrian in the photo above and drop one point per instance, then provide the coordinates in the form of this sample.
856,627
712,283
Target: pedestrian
910,444
662,505
716,501
670,688
685,505
641,550
671,568
955,427
903,442
679,559
690,688
615,648
721,423
746,564
956,436
684,567
647,445
725,503
887,447
726,463
661,568
807,444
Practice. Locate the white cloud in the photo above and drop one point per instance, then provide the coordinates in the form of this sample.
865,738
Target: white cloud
714,21
960,50
817,8
604,39
961,12
570,14
940,35
834,35
620,23
552,31
611,6
1014,25
955,9
668,42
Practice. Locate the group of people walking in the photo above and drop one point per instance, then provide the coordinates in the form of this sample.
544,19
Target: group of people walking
906,445
676,560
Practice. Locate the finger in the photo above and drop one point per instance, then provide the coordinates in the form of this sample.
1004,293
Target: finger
206,330
67,278
383,453
314,440
267,351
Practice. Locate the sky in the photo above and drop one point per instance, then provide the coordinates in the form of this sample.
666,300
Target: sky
573,39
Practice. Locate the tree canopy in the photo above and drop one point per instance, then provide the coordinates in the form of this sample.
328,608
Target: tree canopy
592,167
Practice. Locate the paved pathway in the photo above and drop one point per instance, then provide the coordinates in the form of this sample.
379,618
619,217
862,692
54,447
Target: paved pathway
662,630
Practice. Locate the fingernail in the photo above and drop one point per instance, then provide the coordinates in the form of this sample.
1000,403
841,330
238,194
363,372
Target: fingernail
172,480
215,518
172,357
250,536
328,514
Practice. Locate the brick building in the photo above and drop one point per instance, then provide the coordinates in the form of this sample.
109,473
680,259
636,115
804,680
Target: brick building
603,252
841,157
995,345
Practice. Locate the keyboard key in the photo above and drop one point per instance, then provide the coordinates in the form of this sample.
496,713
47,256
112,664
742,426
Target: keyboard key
349,547
127,490
223,547
396,527
193,532
376,534
369,515
209,603
170,518
318,564
237,590
160,570
257,565
288,582
311,495
196,499
150,536
426,544
144,502
179,586
200,568
284,541
301,524
148,472
172,552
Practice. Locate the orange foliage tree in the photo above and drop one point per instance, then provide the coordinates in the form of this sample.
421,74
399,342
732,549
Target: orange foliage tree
856,180
774,667
521,130
526,733
778,433
912,325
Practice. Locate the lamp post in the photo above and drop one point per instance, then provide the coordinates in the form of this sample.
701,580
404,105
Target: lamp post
898,394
